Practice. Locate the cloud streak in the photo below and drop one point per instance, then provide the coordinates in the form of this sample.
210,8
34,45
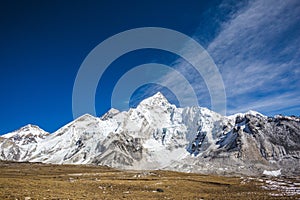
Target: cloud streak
258,55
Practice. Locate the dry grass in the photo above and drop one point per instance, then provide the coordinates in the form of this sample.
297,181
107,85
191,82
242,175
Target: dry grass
41,181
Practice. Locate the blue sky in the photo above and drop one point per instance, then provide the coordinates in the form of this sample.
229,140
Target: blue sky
255,45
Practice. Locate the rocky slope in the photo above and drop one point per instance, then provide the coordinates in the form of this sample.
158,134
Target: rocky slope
158,135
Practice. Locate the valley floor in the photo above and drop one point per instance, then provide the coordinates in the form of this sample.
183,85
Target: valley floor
42,181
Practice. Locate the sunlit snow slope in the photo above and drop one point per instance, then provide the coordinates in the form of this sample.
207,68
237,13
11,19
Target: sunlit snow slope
158,135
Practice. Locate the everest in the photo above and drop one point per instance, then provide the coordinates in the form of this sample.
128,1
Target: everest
158,135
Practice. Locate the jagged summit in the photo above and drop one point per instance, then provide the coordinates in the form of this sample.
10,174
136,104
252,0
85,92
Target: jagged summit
109,114
156,100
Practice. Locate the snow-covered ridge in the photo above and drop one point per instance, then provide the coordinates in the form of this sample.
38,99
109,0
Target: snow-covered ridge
158,135
28,130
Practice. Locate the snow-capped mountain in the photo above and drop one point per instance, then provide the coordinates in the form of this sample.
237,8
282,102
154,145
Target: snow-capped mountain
158,135
12,144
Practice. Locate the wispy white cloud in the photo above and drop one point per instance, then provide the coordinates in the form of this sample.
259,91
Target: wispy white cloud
272,104
258,55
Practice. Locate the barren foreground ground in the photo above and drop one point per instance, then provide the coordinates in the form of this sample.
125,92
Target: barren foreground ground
41,181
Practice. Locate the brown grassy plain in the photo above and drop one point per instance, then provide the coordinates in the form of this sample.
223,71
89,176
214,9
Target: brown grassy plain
42,181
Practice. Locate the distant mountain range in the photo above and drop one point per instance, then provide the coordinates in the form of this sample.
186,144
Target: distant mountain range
158,135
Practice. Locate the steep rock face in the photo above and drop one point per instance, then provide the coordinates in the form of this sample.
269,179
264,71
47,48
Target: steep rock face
257,142
158,135
119,150
275,138
18,145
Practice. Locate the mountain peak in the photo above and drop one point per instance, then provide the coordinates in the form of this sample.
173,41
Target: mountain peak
157,99
159,95
255,113
109,114
85,117
27,130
